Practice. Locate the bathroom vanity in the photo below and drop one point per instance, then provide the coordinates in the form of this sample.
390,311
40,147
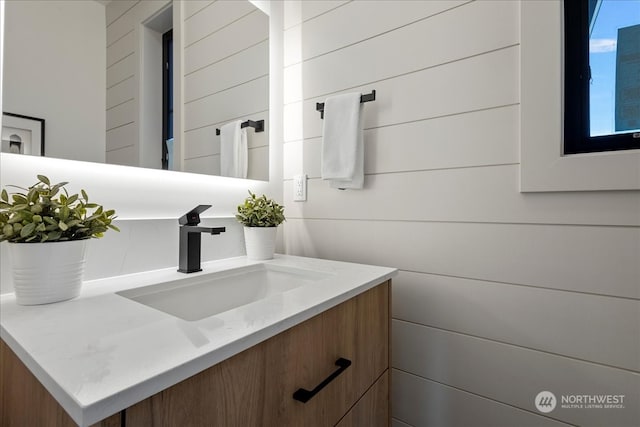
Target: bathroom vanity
310,354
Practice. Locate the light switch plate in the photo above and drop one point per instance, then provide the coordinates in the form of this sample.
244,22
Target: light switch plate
300,188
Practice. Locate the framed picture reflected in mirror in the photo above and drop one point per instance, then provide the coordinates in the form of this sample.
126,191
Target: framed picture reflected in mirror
22,134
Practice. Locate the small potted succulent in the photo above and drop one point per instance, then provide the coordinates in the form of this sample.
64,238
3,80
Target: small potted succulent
47,230
260,217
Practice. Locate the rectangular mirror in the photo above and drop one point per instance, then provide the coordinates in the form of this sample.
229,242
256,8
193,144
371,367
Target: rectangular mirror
112,81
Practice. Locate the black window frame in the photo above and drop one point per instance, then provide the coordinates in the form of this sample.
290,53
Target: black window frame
167,89
577,133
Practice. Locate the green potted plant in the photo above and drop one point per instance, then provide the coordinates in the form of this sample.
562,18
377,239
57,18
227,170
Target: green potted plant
47,230
261,217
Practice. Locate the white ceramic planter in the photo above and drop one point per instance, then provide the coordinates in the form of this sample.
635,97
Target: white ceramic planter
47,272
260,242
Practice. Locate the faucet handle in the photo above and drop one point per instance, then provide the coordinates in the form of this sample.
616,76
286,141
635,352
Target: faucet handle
193,216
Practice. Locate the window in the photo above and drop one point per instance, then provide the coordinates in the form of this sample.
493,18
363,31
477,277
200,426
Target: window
602,75
167,95
543,165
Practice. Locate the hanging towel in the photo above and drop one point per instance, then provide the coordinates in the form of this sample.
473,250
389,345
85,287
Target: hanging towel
233,150
342,142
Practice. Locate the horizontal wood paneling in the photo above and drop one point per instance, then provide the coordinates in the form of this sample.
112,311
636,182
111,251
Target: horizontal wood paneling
120,49
235,103
212,18
258,159
122,67
258,163
367,65
357,21
226,78
122,136
475,83
486,137
297,12
511,253
192,7
204,141
123,79
115,9
442,202
121,27
121,92
121,70
513,375
127,156
294,154
487,194
240,68
446,406
137,12
201,142
227,41
209,165
602,329
121,115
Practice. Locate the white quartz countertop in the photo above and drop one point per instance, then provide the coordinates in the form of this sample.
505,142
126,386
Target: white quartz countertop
101,352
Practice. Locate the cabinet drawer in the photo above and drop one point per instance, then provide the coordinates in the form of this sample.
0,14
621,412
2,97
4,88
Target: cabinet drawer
372,410
357,330
256,387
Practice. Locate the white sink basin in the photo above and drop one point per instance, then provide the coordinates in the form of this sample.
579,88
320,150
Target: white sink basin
204,295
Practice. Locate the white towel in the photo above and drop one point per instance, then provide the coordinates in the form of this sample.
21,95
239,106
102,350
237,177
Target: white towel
342,142
233,150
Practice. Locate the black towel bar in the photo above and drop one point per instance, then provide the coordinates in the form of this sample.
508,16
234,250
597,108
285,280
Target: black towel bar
257,125
363,98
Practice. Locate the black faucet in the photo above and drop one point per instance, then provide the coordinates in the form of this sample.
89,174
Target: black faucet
189,253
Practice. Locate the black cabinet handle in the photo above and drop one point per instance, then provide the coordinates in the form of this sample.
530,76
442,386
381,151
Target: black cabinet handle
304,395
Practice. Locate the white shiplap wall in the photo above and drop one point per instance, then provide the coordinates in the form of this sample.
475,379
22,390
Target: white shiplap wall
500,294
225,48
226,77
124,19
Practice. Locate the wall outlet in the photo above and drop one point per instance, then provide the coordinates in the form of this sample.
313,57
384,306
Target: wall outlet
300,188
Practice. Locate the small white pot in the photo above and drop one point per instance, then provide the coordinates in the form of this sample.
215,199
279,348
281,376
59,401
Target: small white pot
260,242
47,272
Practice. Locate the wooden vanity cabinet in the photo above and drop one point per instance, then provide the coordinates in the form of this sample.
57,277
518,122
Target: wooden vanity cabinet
24,402
256,386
